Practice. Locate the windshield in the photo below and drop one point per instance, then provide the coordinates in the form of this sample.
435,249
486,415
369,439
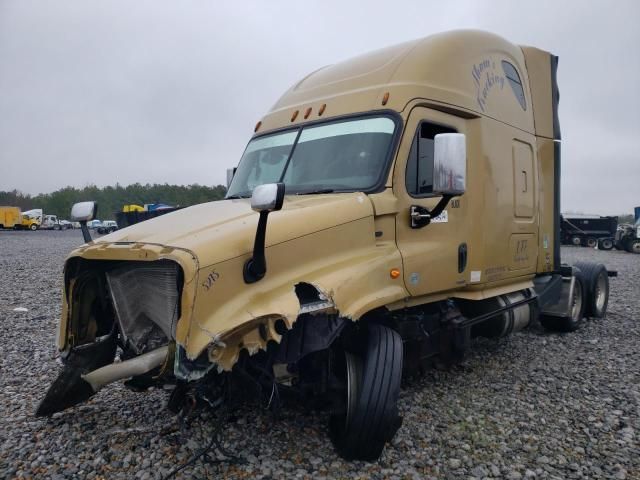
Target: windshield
348,155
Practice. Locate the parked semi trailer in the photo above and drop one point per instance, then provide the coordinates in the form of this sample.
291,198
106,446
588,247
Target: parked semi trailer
387,210
588,231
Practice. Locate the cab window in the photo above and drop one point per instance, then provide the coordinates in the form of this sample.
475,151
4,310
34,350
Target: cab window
419,173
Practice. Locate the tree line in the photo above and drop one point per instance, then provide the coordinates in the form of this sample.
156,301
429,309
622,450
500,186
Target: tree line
112,198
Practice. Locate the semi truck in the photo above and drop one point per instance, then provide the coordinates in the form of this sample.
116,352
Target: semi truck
386,211
588,231
628,235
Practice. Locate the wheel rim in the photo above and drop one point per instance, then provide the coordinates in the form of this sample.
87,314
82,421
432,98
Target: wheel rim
576,241
600,293
576,306
354,381
636,247
607,244
591,243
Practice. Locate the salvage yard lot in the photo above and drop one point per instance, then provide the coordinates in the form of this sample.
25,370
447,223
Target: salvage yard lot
536,404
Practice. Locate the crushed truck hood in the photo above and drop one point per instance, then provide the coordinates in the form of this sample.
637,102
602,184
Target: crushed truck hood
225,229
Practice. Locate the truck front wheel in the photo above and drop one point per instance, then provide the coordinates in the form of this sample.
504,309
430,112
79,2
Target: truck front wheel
633,246
369,416
33,227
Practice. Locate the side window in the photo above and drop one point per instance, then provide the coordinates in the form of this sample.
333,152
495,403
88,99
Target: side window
516,84
419,174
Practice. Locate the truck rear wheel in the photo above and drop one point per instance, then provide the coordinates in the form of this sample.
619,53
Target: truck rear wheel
597,292
591,242
605,244
571,322
576,240
370,418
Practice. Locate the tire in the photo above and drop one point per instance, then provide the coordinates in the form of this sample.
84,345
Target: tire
576,241
633,246
33,227
605,244
571,322
374,419
591,242
597,282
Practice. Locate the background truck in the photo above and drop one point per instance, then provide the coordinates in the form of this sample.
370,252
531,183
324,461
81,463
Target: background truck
10,217
132,214
31,219
385,212
628,235
588,231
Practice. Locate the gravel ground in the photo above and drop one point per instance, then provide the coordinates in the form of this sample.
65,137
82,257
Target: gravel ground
535,405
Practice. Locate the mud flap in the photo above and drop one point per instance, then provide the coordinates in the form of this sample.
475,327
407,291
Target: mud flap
69,388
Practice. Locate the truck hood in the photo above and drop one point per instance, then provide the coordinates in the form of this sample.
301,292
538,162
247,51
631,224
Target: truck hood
225,229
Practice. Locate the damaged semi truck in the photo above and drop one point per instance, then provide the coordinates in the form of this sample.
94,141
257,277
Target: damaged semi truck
386,211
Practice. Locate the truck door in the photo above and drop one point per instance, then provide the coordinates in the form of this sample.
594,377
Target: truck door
435,257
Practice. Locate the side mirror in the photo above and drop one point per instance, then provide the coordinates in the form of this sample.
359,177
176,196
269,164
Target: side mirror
267,197
84,212
450,164
230,173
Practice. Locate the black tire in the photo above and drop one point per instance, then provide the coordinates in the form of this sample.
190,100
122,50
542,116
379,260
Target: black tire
33,227
576,240
572,321
375,418
633,246
605,244
597,281
591,242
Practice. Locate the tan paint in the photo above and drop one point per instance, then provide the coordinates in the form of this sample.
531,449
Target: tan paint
347,244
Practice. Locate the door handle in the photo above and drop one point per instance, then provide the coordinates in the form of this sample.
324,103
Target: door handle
462,257
524,188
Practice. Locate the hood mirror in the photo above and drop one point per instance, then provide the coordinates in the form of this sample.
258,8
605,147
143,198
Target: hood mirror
84,212
265,199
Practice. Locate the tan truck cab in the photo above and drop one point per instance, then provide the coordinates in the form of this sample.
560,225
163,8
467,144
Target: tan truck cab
387,210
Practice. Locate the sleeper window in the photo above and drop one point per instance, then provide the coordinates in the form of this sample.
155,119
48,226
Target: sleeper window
419,174
516,84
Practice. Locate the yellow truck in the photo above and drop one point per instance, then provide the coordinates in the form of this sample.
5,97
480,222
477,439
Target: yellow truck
10,217
386,211
13,217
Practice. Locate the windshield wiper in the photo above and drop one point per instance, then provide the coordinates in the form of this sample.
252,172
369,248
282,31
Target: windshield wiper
239,195
320,190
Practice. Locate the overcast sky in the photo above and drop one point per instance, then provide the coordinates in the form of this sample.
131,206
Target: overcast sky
152,91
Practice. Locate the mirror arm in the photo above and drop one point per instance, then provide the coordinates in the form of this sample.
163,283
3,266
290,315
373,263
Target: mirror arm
85,232
256,267
421,217
442,204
